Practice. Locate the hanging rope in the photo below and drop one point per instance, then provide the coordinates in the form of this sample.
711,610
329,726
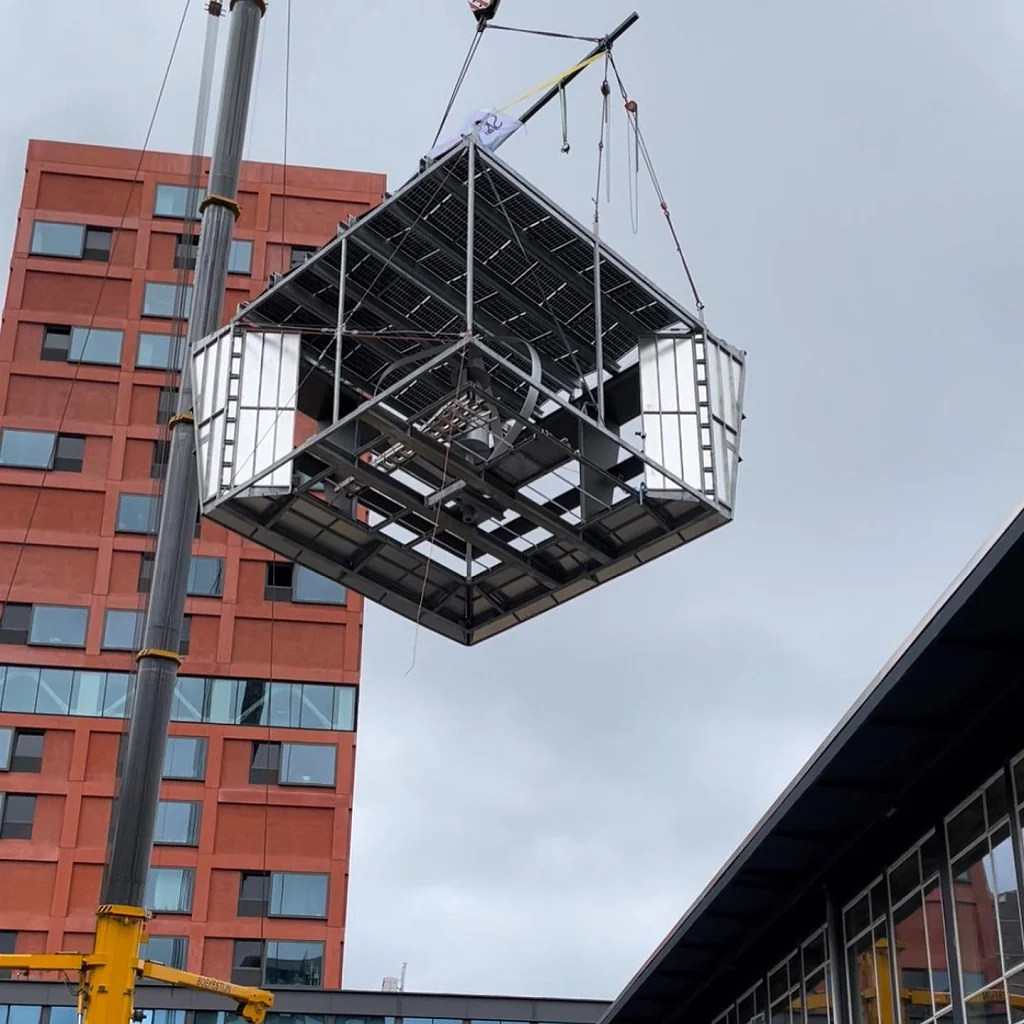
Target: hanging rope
632,111
460,81
564,103
549,35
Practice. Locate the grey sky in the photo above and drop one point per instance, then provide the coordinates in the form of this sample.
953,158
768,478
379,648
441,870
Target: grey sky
532,816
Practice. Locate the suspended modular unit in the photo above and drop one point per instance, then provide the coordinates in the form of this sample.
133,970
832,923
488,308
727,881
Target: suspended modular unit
466,478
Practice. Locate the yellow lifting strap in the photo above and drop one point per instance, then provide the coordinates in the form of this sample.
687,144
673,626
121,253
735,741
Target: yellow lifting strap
554,81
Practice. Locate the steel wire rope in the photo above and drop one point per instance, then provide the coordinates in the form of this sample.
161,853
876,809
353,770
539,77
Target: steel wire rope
634,117
478,35
541,32
115,237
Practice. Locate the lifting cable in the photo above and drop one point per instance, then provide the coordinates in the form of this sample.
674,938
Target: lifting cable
478,35
549,35
134,184
643,152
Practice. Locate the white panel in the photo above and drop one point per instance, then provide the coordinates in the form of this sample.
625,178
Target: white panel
211,361
725,379
668,399
268,393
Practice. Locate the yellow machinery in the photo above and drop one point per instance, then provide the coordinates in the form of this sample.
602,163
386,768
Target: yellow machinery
107,975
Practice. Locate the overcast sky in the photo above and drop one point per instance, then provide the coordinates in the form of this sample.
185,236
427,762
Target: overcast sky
532,816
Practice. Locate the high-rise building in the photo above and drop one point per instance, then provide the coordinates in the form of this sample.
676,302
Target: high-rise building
250,872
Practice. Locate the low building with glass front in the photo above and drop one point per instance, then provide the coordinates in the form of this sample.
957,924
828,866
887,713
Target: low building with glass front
883,887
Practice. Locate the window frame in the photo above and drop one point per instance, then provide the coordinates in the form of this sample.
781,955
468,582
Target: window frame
199,758
287,750
153,288
22,827
186,889
179,951
121,615
26,764
152,521
33,642
164,188
54,457
193,828
169,363
61,342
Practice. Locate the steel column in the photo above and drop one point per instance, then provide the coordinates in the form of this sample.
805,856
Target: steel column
470,234
132,837
341,328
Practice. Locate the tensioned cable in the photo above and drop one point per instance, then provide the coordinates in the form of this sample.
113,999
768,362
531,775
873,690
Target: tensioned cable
459,82
549,35
634,118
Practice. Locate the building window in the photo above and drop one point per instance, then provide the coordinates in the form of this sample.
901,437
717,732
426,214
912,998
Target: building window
171,951
282,894
294,963
17,813
298,895
177,823
185,758
166,405
277,963
253,702
82,345
253,894
300,253
159,352
120,629
8,944
21,750
43,625
138,513
70,241
292,764
185,642
286,582
167,301
37,449
169,890
240,257
177,201
161,457
205,575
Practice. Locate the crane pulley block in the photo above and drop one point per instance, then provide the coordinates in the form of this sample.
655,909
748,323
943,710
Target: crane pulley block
484,10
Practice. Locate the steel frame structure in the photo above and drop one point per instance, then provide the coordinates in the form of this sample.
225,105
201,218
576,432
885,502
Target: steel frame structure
456,347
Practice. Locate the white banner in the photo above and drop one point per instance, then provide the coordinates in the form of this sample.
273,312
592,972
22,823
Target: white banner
490,127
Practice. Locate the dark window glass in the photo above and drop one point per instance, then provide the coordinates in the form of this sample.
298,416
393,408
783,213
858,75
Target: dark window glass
253,893
185,252
166,300
247,962
161,456
279,579
159,352
185,758
307,764
15,623
206,577
265,764
6,746
298,895
138,513
301,253
145,572
51,239
27,755
312,588
295,963
26,449
95,345
167,950
120,629
185,643
177,201
70,454
97,244
240,257
58,626
17,813
166,405
177,823
169,890
8,942
56,344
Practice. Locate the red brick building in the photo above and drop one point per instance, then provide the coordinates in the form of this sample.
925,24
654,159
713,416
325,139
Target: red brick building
254,829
